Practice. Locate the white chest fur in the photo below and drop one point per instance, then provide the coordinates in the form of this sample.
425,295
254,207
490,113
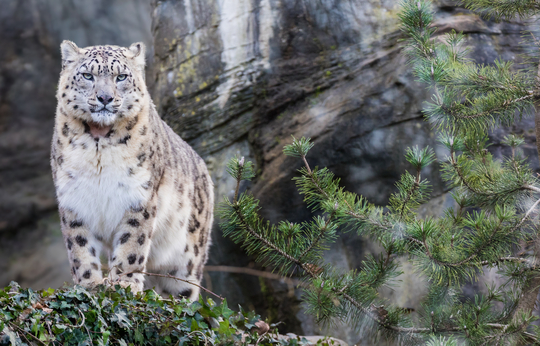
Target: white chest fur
99,186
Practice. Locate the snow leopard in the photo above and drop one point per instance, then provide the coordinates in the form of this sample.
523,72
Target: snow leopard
130,191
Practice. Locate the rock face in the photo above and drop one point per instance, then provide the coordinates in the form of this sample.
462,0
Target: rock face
236,77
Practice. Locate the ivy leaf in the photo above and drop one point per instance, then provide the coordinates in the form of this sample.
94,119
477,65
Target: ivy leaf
118,317
224,327
122,319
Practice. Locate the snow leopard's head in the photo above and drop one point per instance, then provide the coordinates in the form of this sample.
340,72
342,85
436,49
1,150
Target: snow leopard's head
102,84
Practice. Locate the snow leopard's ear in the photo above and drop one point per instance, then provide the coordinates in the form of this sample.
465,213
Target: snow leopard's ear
70,52
138,51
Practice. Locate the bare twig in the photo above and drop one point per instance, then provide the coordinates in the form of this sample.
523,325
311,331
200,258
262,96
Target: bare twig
306,164
207,280
199,332
82,322
25,332
168,276
509,259
532,188
527,214
291,283
254,272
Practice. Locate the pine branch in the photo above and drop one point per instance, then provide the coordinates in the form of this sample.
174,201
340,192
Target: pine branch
312,270
317,273
464,112
266,242
504,8
487,194
476,252
423,243
415,187
321,233
469,95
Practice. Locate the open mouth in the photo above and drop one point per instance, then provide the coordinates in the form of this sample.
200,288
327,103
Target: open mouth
97,130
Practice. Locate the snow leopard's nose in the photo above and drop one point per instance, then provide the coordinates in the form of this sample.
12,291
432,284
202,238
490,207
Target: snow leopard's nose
104,98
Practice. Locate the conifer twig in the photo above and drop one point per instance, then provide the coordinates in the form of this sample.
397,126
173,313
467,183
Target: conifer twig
503,106
238,179
250,230
309,268
477,251
463,179
323,230
410,193
455,165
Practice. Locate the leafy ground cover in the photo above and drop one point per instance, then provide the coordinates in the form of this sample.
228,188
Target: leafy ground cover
76,316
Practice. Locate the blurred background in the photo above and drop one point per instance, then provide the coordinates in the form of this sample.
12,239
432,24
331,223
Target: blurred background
237,77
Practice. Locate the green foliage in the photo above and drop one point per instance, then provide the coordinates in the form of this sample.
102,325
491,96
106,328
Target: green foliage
299,148
467,96
412,191
239,169
504,8
74,316
441,341
448,250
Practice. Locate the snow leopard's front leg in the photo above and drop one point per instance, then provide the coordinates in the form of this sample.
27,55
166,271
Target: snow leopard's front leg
83,250
131,246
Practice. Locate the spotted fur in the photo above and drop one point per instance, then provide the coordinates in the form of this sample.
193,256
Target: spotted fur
126,183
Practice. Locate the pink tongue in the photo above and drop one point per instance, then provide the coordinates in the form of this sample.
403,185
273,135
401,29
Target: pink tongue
97,130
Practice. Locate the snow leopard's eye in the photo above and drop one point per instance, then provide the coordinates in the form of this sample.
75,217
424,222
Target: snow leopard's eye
121,77
88,76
